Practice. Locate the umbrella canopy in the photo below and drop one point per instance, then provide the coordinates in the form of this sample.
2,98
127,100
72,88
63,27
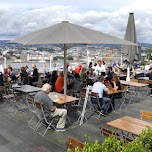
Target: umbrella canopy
130,52
66,35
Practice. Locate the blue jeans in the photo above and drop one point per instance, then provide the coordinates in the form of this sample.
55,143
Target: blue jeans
106,103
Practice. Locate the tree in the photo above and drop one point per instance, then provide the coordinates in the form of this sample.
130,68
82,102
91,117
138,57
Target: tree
149,53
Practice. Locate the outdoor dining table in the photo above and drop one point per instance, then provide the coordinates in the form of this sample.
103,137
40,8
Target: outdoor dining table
111,93
27,88
130,125
138,89
62,100
135,84
26,91
122,76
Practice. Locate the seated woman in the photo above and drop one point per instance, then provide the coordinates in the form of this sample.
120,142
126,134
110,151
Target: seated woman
23,75
59,84
83,74
75,83
53,79
116,85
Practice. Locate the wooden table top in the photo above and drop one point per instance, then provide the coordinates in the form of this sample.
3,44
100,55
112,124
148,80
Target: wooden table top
112,91
135,84
61,98
27,88
129,124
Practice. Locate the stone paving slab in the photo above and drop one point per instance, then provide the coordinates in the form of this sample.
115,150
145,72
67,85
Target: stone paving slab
16,136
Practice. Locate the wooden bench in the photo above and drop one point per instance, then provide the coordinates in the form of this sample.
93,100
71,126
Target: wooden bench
73,144
146,115
106,132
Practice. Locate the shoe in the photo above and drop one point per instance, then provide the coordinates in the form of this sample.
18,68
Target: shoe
151,95
60,129
102,113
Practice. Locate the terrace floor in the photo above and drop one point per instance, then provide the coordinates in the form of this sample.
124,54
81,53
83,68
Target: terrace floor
16,136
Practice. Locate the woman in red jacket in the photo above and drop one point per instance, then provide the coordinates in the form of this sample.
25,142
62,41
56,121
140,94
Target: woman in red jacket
59,84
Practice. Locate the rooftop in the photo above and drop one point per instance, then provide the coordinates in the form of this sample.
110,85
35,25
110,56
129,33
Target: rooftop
16,136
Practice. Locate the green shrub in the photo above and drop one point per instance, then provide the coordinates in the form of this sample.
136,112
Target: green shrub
146,137
135,146
111,144
91,146
141,144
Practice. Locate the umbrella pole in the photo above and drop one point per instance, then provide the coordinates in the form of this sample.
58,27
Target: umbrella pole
65,68
128,74
4,62
50,63
121,60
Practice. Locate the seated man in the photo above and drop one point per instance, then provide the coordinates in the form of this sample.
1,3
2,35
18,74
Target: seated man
42,97
99,87
12,77
109,75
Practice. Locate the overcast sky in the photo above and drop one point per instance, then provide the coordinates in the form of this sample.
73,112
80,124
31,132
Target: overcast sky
19,17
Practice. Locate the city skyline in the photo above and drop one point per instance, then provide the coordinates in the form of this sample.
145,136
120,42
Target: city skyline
19,18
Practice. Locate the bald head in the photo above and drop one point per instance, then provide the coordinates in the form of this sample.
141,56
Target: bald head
46,88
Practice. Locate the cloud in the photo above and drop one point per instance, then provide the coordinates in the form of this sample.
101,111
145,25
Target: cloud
111,20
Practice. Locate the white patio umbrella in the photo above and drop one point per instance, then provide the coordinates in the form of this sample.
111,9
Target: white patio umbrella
66,35
130,52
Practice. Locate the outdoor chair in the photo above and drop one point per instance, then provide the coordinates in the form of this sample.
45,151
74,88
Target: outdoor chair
144,91
75,90
44,119
95,104
146,115
14,101
81,95
32,110
25,80
73,143
95,101
89,81
127,139
125,97
106,133
8,96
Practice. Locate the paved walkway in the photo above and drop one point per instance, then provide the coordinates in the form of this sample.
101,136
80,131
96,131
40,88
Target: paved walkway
16,136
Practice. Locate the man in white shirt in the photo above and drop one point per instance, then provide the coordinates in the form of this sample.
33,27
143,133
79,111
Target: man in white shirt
54,68
147,66
100,68
99,87
42,71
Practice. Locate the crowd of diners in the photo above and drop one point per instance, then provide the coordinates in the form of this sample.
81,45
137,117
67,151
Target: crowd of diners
75,76
100,76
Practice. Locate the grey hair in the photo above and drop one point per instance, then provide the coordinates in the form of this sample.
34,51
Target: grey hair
33,65
46,87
